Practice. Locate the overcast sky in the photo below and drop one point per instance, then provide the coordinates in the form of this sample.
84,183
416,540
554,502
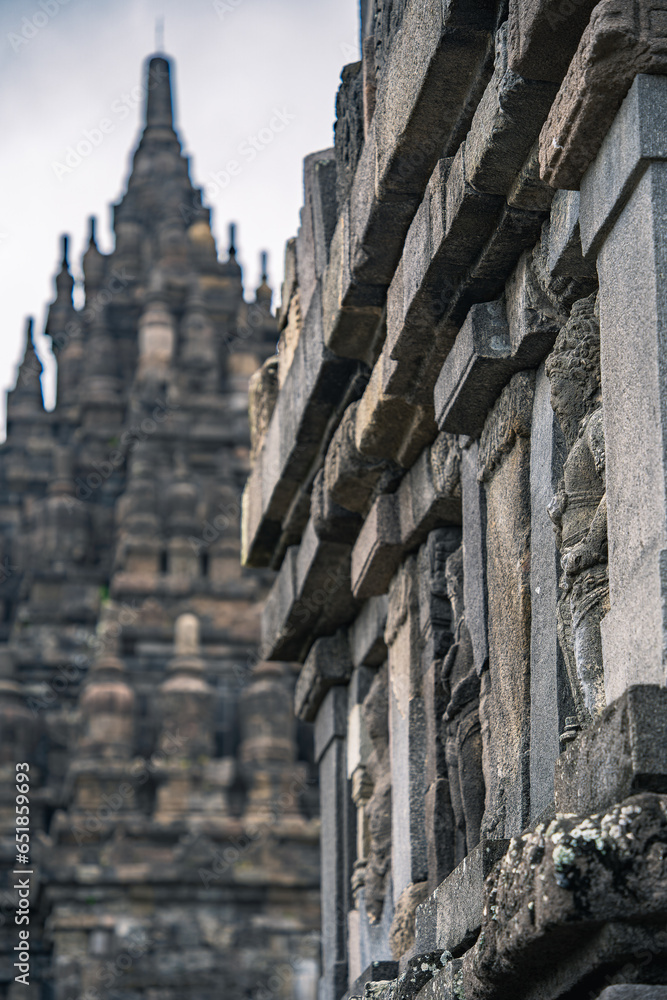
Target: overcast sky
66,66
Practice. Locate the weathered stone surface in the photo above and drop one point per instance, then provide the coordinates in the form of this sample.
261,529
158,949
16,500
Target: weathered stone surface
475,371
367,643
310,597
577,898
316,383
332,522
378,549
631,268
637,992
550,697
398,522
543,36
327,663
506,123
352,308
330,720
579,506
406,715
473,504
349,128
351,478
262,396
505,693
402,936
459,900
636,138
318,221
596,82
623,753
447,233
388,426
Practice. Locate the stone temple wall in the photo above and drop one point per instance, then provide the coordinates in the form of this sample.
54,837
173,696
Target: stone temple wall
459,477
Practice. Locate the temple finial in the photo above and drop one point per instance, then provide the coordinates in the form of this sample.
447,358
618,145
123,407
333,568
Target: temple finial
264,259
65,246
232,239
91,230
159,109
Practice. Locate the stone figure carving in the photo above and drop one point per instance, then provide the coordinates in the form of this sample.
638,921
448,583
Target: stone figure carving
375,712
461,733
579,508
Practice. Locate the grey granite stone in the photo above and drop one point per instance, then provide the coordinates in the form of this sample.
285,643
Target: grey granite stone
474,554
327,663
623,753
331,719
459,900
547,448
366,634
637,136
543,36
505,125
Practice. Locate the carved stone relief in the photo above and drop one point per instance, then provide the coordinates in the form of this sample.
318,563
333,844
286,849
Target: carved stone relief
579,508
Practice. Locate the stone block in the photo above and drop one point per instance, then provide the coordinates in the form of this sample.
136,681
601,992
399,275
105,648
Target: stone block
331,720
626,223
318,221
327,663
446,984
459,900
289,284
378,549
426,925
624,752
528,191
317,382
599,76
399,522
475,371
377,972
564,256
504,708
366,634
351,308
310,597
332,522
547,453
351,478
506,124
634,991
534,321
388,426
543,36
474,554
572,904
453,223
637,136
432,65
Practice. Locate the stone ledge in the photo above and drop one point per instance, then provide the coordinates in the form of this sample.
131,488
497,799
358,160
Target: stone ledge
624,752
316,383
310,597
459,900
399,522
637,136
599,77
327,663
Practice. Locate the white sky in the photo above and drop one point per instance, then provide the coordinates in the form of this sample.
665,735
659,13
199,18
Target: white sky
236,63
